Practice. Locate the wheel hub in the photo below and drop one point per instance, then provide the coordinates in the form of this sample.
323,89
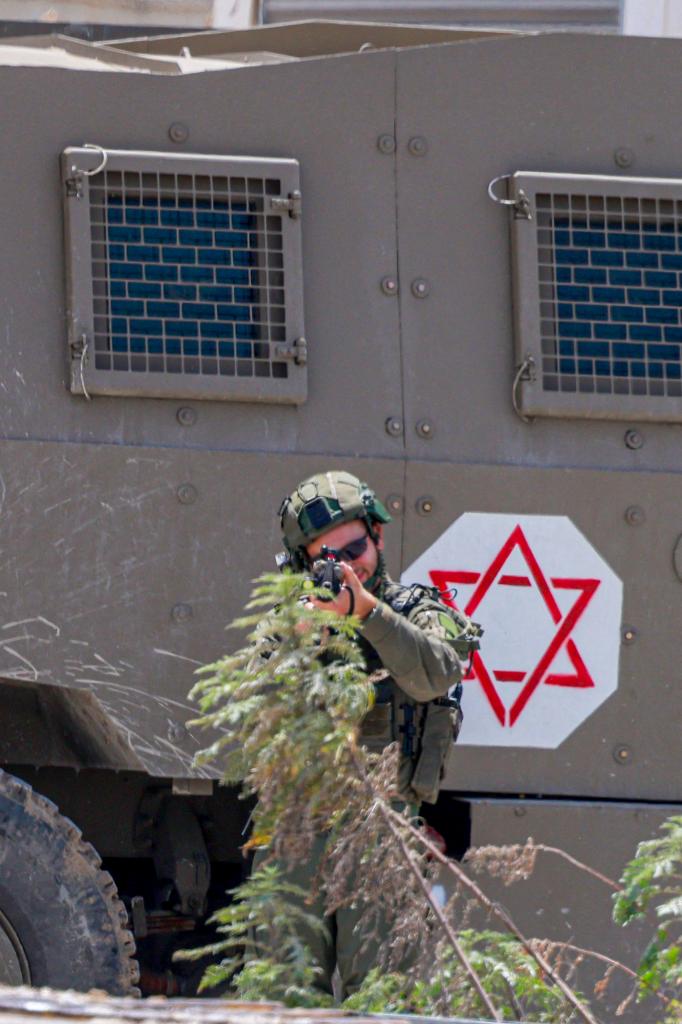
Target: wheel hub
14,969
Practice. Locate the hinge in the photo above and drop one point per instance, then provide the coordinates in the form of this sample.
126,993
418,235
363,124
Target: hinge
77,347
290,204
74,186
522,210
297,351
78,350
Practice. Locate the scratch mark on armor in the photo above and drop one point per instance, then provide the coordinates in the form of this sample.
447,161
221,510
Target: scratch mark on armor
181,657
84,526
135,460
31,636
58,504
122,688
30,672
139,498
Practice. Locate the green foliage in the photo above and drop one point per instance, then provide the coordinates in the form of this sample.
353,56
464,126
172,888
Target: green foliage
512,975
653,880
508,972
261,943
285,711
654,872
286,706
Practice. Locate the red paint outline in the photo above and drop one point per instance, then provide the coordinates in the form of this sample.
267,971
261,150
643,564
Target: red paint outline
587,588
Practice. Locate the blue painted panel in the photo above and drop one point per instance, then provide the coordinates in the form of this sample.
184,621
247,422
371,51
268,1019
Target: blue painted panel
617,330
179,277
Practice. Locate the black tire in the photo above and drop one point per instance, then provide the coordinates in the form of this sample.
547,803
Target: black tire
56,902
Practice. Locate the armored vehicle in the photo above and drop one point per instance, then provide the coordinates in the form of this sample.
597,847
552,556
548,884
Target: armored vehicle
446,261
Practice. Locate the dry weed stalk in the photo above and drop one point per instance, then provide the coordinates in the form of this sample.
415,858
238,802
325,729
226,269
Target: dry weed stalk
501,914
288,715
516,862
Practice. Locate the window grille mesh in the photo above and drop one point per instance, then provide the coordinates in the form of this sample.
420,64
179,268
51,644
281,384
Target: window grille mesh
610,273
189,279
598,280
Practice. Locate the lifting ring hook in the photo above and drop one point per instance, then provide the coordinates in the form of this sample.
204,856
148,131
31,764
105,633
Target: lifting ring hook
522,210
496,198
83,345
100,167
525,371
82,372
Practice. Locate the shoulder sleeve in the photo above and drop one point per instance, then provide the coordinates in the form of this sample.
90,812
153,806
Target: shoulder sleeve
418,649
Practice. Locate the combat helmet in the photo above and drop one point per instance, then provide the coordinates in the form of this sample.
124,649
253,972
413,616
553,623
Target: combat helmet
321,502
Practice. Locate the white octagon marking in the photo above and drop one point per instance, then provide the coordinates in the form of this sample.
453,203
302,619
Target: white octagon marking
551,609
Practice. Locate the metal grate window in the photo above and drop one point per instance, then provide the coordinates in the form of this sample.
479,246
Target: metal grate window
598,264
184,276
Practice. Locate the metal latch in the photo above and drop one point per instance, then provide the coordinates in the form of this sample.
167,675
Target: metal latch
79,358
74,186
290,204
297,351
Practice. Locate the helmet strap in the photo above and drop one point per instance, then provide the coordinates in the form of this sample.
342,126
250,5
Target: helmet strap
378,579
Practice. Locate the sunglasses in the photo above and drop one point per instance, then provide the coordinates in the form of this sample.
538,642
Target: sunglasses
354,550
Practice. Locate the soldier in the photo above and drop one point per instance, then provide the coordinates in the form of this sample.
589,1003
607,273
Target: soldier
412,643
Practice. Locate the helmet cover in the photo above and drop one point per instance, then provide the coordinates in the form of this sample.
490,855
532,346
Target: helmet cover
323,501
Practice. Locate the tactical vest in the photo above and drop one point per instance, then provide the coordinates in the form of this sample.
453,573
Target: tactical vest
426,732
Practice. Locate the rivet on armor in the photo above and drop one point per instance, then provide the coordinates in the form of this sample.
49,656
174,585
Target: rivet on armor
420,288
622,754
635,515
178,132
394,504
389,285
386,144
424,429
628,634
187,494
623,157
394,426
181,612
425,506
418,146
186,417
633,439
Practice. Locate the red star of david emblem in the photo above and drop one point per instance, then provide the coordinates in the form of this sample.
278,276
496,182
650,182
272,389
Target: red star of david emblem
564,624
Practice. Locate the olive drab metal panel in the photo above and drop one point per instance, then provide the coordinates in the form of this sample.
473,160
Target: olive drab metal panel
563,903
466,114
254,112
134,525
456,135
153,512
621,749
184,276
142,562
597,295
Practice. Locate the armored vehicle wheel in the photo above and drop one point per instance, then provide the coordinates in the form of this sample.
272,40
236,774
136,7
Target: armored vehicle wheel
61,921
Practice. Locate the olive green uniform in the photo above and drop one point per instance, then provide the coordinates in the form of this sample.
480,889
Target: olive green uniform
420,645
414,648
411,647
